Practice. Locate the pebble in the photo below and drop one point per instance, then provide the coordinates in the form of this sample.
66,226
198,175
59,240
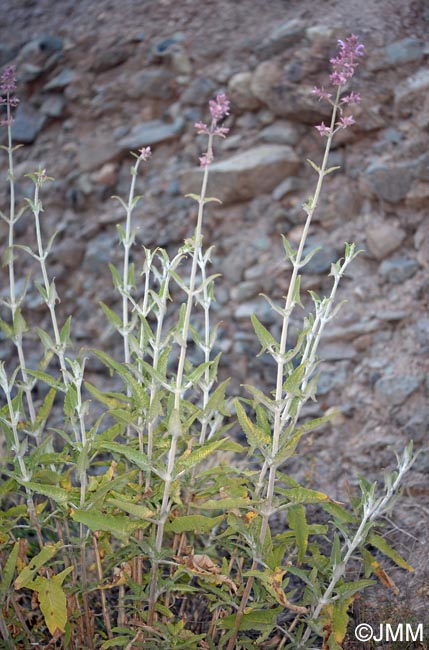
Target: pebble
61,80
390,182
382,239
282,37
393,390
150,133
27,124
398,270
154,84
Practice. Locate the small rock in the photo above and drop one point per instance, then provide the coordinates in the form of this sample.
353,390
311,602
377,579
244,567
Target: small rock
45,44
352,331
394,389
6,54
281,37
259,307
27,125
266,76
410,94
106,176
390,182
150,133
198,92
421,242
281,132
245,290
163,48
96,152
246,174
337,351
404,51
418,196
107,59
321,261
155,84
291,184
383,239
398,270
240,91
63,79
53,106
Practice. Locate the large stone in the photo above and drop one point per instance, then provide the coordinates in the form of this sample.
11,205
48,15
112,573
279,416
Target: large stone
398,53
390,182
150,133
267,76
110,58
383,239
245,175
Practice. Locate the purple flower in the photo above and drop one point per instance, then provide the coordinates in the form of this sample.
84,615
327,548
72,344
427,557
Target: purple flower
345,122
206,159
343,65
219,108
323,129
145,153
8,80
352,98
321,93
202,128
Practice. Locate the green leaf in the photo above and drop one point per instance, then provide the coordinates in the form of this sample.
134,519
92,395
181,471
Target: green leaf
350,588
339,513
293,382
196,523
44,410
27,574
119,525
189,460
385,548
106,398
256,619
43,376
256,437
141,512
304,495
266,339
290,253
313,164
51,491
133,455
111,316
53,605
8,571
298,523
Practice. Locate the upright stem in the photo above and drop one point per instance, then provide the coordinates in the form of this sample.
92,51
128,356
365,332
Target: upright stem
277,425
175,416
11,240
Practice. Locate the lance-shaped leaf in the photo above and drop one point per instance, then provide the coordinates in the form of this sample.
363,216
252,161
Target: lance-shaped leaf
292,385
256,437
256,619
119,525
298,523
189,460
111,316
381,544
8,571
133,455
57,494
266,339
193,523
27,574
304,495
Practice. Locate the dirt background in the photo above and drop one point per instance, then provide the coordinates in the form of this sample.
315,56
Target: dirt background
132,62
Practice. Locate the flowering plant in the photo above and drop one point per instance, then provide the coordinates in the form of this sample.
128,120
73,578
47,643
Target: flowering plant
141,526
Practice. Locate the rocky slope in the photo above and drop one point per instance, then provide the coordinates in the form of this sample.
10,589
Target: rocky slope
97,79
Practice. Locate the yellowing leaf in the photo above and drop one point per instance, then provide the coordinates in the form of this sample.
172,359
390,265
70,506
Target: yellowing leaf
27,574
381,544
53,604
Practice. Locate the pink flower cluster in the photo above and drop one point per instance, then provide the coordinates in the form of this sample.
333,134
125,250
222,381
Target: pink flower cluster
7,87
219,109
343,69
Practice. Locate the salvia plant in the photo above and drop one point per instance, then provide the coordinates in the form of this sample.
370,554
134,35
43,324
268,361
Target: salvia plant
138,521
